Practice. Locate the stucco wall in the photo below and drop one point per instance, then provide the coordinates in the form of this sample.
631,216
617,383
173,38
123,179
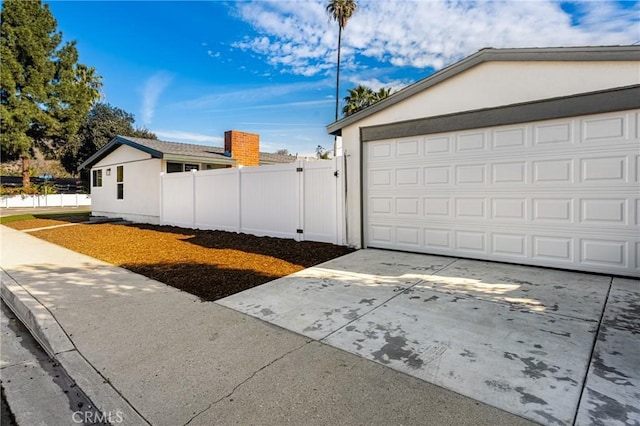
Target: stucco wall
141,186
486,85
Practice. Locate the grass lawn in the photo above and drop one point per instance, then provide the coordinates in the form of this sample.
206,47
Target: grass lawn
38,220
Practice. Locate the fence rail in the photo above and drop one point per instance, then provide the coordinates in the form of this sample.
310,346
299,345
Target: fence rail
300,200
51,200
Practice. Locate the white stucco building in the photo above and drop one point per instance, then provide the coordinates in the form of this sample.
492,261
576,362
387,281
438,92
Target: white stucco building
125,173
519,155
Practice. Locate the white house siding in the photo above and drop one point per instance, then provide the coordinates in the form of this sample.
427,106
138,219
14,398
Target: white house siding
141,186
487,85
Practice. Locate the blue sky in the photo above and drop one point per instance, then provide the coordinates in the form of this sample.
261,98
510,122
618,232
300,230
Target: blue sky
191,70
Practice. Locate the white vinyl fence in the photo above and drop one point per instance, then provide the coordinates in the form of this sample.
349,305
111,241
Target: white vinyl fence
51,200
301,200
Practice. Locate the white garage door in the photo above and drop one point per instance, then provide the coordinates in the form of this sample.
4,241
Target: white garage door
561,193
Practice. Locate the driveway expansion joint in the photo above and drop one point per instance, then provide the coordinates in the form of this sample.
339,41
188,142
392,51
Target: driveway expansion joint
583,386
243,382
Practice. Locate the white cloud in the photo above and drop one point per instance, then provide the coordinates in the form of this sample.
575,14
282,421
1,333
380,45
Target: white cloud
180,136
153,87
250,96
298,37
376,84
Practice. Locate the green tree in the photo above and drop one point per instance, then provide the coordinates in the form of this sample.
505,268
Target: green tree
321,153
45,93
103,123
382,93
361,97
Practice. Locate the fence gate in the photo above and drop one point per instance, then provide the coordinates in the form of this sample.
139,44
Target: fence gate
301,200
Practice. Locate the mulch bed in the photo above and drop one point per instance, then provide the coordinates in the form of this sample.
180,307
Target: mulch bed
207,264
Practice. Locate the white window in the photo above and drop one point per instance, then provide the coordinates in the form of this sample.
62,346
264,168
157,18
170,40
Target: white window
96,178
120,182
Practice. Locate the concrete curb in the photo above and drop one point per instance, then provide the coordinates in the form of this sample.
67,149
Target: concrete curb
38,320
50,335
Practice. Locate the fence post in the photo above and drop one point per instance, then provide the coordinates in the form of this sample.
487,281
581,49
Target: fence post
301,192
161,206
193,192
239,173
341,168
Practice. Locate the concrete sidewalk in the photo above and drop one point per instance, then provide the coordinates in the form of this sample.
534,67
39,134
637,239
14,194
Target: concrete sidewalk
152,354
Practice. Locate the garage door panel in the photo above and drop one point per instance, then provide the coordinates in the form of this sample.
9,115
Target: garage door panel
470,208
471,174
407,235
470,241
560,199
408,176
408,149
610,128
554,249
510,209
509,245
510,138
610,253
509,173
437,175
616,213
437,239
439,206
557,133
381,150
475,141
437,145
408,206
604,169
558,210
381,178
607,211
556,170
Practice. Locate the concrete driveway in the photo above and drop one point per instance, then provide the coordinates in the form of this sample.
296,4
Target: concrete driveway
552,346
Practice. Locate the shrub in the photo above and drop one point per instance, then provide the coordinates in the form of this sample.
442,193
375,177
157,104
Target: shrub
32,190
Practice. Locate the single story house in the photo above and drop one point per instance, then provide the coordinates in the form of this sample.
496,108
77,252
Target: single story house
528,155
125,173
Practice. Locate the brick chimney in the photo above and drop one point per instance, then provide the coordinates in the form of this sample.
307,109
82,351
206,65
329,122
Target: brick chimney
243,146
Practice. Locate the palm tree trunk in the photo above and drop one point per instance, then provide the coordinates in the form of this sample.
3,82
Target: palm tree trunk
25,172
338,73
335,138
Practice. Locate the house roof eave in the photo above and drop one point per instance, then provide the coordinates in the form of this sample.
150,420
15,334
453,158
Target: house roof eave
565,54
111,146
198,159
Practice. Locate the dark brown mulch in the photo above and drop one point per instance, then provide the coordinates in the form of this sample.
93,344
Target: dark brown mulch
208,264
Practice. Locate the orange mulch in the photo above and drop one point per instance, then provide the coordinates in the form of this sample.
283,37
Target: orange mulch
208,264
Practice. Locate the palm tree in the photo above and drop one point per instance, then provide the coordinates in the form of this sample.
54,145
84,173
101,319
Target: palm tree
361,97
381,94
340,11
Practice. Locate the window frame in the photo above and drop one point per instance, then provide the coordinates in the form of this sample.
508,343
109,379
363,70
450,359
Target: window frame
173,164
96,178
120,182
